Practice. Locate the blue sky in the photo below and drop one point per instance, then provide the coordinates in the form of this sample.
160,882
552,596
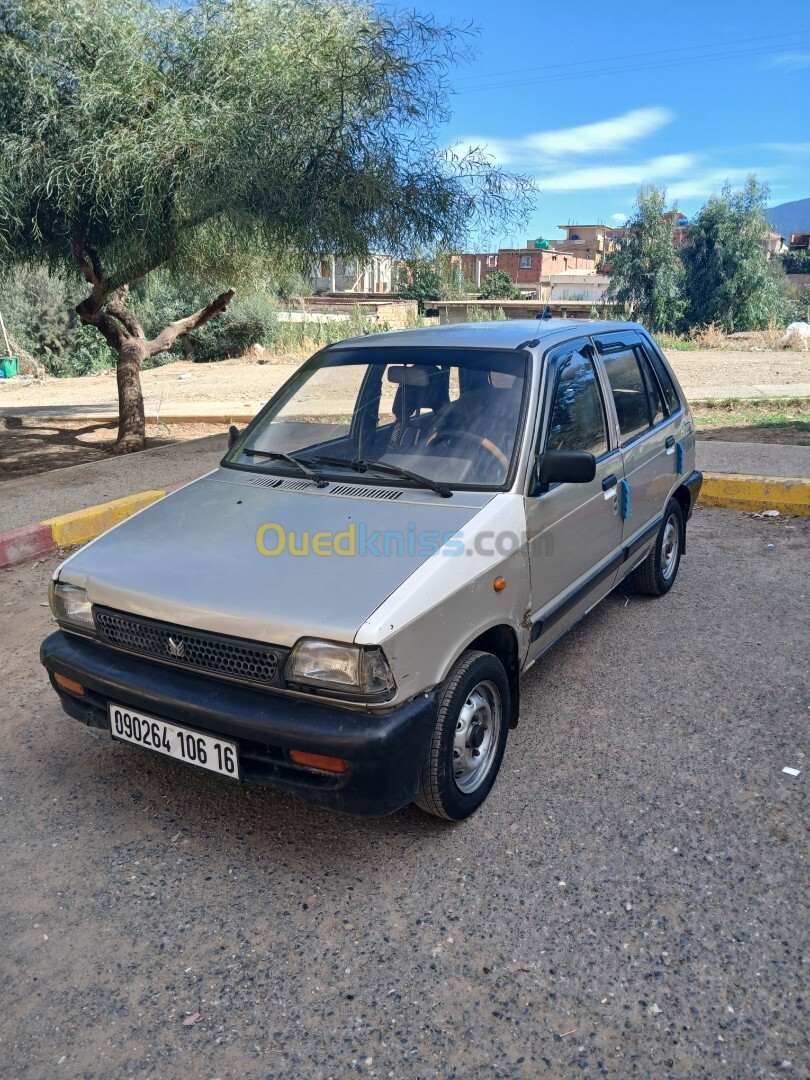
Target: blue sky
593,99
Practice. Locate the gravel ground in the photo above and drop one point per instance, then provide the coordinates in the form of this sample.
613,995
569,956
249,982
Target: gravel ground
630,902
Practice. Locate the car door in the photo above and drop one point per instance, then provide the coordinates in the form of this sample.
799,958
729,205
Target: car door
574,531
647,432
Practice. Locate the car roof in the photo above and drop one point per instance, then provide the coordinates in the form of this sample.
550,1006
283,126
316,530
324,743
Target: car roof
505,334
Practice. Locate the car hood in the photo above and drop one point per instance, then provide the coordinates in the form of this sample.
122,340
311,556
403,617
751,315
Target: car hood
192,558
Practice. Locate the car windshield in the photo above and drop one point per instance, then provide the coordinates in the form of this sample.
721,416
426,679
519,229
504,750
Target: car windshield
447,416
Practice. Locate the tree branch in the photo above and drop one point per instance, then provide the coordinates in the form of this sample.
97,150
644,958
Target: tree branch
116,307
90,267
113,334
166,338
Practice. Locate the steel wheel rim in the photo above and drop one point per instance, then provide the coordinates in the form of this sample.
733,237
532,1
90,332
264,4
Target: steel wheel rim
670,546
477,735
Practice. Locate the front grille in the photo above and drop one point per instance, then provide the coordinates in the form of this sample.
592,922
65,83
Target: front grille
247,661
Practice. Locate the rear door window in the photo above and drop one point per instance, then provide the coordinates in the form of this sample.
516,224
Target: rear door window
664,378
656,398
628,390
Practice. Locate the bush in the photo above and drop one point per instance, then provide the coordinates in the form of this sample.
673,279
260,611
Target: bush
498,286
249,320
796,262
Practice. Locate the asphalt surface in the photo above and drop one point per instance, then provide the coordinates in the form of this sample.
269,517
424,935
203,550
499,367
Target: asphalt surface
630,901
28,499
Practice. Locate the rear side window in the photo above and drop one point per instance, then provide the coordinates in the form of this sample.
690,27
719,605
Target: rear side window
664,378
629,391
653,389
578,413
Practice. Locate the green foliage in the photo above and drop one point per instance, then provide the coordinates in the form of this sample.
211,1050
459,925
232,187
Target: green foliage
183,132
646,271
728,280
422,282
39,310
480,314
796,262
498,286
89,354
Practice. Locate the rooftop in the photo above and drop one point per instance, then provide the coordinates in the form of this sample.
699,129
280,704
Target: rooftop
509,334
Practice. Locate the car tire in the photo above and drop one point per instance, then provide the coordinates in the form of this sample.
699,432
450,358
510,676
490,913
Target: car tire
469,738
656,575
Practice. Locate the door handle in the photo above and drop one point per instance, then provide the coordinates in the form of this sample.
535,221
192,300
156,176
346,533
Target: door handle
609,482
670,442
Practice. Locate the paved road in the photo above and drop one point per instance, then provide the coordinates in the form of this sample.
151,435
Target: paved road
629,903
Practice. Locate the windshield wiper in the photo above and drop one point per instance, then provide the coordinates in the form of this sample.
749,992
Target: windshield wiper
361,465
302,466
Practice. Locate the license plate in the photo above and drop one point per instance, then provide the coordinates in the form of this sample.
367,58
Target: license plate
206,751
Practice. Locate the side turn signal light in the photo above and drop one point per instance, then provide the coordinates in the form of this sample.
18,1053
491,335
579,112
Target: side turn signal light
68,684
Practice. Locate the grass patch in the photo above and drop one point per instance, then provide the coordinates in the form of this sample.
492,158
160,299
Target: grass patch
668,341
766,419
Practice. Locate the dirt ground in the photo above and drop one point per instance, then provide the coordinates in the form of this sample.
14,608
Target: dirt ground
30,446
629,903
246,379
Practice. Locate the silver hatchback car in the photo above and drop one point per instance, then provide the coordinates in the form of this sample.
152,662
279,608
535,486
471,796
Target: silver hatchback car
343,609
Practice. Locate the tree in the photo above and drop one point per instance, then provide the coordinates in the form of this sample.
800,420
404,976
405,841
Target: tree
728,279
422,282
498,286
647,274
796,262
180,134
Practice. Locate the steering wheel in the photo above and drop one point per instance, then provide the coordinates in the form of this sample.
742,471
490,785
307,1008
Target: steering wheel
466,436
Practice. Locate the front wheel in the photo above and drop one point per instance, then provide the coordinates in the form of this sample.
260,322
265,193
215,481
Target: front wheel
657,573
469,738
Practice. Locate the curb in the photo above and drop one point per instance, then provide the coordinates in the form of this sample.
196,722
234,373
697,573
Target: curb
28,541
788,495
734,491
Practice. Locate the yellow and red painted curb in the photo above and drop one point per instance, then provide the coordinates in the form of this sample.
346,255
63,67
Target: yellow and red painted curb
734,491
788,495
29,541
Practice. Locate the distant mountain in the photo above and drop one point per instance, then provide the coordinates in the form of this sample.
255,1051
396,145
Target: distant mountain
790,217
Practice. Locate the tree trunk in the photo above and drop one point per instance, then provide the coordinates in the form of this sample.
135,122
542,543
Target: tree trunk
131,418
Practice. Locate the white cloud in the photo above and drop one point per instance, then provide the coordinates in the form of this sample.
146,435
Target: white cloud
791,61
711,181
663,169
618,218
613,134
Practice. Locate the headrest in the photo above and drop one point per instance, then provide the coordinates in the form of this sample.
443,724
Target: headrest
407,376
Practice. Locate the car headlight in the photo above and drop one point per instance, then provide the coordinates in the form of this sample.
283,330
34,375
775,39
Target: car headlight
350,669
70,606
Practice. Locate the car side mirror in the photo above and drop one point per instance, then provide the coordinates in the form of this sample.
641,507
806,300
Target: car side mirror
233,435
565,467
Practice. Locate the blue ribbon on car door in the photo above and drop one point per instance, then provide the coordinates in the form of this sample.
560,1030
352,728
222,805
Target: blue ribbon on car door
624,499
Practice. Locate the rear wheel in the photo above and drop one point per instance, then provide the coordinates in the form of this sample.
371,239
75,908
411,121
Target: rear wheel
657,573
469,738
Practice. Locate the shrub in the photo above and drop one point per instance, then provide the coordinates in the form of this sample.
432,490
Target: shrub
498,286
796,262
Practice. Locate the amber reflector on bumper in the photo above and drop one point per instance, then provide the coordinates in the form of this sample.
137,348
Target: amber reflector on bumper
69,684
319,761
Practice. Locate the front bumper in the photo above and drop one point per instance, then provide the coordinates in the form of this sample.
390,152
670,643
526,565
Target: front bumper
385,751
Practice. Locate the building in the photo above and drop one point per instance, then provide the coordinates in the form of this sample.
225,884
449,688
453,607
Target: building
338,276
574,286
799,241
775,245
597,241
528,268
